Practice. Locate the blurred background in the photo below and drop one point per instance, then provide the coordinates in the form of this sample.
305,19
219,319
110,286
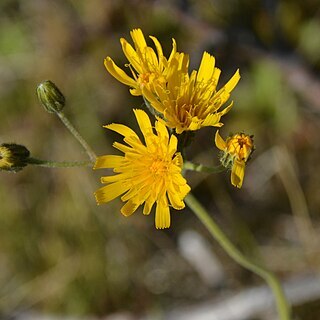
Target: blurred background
62,257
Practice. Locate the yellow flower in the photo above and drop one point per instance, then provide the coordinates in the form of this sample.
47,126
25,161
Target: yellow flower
147,66
189,102
147,173
236,152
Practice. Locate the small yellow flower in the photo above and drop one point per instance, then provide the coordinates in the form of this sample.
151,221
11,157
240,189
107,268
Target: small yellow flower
147,66
148,172
189,102
236,152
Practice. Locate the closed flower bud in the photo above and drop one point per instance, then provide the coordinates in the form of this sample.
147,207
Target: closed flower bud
50,96
13,157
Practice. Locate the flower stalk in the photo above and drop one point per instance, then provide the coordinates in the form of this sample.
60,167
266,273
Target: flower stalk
188,165
77,135
59,164
280,298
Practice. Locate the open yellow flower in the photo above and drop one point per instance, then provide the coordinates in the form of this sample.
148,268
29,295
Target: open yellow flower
147,173
189,102
147,66
236,152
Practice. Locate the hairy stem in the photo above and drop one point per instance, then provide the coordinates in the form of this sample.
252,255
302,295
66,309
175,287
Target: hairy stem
77,135
59,164
201,168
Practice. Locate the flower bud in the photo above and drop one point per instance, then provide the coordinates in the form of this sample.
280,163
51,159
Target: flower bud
50,96
13,157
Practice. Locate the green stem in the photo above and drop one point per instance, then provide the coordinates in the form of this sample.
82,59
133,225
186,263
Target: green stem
77,135
201,168
59,164
239,257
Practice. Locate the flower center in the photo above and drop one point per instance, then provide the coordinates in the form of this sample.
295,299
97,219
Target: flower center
186,113
159,167
144,78
241,146
152,79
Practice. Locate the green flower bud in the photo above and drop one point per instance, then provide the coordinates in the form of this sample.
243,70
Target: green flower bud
13,157
50,96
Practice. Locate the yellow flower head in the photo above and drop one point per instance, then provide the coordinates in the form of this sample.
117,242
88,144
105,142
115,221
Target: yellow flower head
189,102
148,172
236,152
147,66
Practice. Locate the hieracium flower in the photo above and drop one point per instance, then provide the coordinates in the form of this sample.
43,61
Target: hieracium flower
189,102
13,157
148,173
236,152
147,66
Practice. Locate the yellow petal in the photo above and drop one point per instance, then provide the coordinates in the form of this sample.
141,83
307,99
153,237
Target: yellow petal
152,60
211,120
206,69
179,129
226,110
195,124
135,143
114,178
123,148
131,55
178,160
139,184
184,190
144,123
174,49
129,208
237,173
162,132
224,92
183,60
152,99
131,193
118,73
162,95
148,205
216,75
220,143
138,39
121,129
173,144
136,92
109,161
110,192
230,85
175,200
162,215
159,48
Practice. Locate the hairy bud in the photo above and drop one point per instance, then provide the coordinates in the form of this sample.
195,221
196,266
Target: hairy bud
50,96
13,157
